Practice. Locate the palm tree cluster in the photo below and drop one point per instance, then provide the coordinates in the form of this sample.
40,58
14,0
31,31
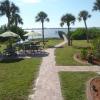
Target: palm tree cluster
11,11
83,15
70,19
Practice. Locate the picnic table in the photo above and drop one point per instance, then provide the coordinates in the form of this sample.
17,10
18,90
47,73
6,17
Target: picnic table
29,47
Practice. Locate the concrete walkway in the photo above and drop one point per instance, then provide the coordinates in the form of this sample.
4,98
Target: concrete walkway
79,68
47,85
63,43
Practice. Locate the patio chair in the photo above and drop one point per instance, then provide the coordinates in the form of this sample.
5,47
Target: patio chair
37,49
10,51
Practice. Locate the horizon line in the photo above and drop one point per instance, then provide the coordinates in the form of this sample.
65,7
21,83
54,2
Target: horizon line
55,28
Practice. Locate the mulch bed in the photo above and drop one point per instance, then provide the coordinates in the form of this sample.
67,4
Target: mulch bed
78,59
95,61
95,88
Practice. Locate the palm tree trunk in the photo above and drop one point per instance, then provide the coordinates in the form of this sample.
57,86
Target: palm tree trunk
43,34
86,31
16,23
68,35
8,26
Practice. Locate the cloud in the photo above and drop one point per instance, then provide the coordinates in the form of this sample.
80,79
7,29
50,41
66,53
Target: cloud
31,1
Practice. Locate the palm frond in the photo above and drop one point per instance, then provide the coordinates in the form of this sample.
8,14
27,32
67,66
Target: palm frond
84,15
37,19
68,19
61,24
79,18
96,6
47,19
41,16
89,16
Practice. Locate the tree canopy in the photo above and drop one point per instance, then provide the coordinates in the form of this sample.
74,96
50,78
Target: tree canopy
11,11
96,5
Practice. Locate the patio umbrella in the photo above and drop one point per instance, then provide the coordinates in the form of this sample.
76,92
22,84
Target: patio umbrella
9,34
33,34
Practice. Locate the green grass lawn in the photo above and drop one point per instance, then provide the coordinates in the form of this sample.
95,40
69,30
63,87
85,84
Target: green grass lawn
73,84
17,77
81,43
64,56
53,42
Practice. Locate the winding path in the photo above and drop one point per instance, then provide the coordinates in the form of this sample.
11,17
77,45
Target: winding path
47,85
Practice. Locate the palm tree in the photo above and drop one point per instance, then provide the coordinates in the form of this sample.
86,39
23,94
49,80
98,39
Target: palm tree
7,8
68,19
96,5
16,19
84,15
42,17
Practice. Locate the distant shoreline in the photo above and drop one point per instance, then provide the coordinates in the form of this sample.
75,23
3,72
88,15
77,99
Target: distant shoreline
51,32
56,28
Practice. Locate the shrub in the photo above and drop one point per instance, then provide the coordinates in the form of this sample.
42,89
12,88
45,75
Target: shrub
94,32
84,53
79,34
18,30
90,57
96,47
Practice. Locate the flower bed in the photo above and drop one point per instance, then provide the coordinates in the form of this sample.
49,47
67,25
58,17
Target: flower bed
78,58
93,92
96,61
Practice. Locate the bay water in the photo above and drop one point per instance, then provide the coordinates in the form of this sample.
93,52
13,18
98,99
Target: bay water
50,32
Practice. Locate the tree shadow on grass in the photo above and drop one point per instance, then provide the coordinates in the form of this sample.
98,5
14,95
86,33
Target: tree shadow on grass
34,54
42,54
11,60
81,47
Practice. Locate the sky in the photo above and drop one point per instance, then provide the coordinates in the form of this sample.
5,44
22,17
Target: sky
55,9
